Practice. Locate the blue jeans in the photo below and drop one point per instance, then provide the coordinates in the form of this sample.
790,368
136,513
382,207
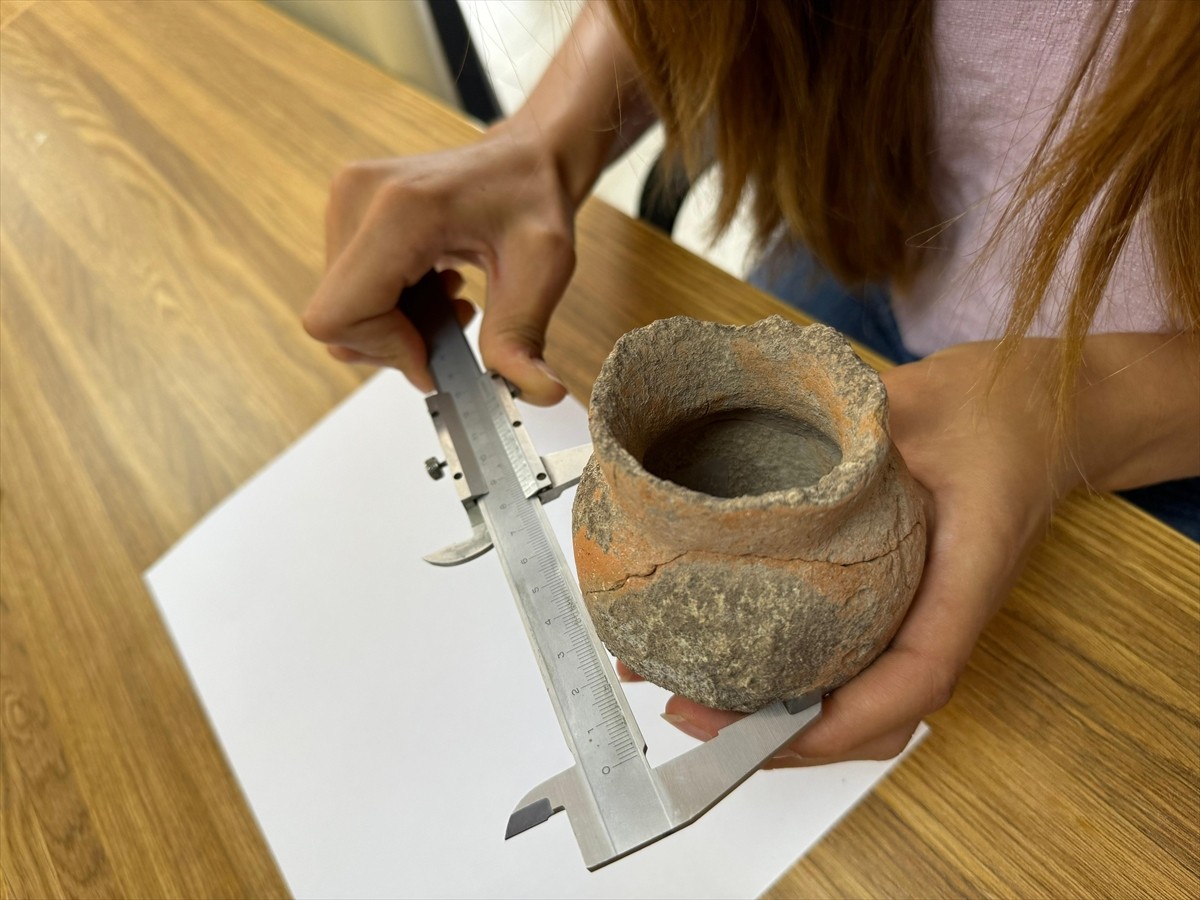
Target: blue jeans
865,315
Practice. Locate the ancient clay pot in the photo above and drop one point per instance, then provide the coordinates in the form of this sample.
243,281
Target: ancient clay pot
745,530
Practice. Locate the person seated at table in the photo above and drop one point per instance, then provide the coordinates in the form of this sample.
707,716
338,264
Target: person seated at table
1003,197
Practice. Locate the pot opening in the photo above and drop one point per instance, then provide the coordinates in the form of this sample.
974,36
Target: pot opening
742,452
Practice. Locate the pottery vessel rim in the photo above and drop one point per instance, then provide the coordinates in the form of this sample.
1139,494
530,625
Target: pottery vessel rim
864,449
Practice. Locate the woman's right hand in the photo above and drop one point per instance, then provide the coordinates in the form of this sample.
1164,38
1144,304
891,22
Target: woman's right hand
500,204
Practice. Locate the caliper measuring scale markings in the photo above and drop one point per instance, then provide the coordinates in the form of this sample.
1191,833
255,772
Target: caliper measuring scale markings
615,801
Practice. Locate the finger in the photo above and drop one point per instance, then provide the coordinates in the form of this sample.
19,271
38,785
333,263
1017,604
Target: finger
863,717
627,674
885,746
900,687
346,355
355,305
524,286
464,311
703,723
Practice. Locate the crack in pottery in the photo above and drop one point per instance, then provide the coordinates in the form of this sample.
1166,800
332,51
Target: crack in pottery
699,554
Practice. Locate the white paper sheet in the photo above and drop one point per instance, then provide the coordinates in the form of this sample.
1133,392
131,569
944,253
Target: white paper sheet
384,716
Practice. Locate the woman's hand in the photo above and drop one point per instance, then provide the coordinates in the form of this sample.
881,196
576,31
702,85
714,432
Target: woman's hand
990,470
994,461
499,204
506,204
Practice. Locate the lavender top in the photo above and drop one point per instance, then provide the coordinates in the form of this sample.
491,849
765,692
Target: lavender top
1002,66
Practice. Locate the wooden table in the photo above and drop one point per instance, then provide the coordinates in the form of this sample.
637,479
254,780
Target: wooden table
164,168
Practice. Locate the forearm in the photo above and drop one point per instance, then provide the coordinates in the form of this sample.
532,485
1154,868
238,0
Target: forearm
1138,410
588,107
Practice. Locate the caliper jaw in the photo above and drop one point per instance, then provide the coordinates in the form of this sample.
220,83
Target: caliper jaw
562,470
479,543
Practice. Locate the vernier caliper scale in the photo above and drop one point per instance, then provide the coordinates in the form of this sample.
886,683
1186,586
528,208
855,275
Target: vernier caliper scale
616,802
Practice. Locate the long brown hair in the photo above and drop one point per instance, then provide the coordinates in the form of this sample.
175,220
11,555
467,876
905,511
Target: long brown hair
825,109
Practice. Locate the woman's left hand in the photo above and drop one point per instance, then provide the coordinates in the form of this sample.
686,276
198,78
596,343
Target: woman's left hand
991,474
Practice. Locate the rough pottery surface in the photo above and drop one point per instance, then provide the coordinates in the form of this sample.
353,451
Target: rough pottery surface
745,530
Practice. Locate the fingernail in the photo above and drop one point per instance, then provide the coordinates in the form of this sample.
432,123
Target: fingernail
548,372
688,727
785,753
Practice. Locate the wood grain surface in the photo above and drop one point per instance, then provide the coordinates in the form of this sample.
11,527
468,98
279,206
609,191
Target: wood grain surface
163,170
10,9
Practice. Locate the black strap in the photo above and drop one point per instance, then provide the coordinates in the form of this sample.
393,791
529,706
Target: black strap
470,79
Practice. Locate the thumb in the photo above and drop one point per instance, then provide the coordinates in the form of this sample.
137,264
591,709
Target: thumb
524,287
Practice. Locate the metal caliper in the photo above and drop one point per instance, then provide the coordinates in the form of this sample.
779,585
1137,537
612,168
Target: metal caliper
615,801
